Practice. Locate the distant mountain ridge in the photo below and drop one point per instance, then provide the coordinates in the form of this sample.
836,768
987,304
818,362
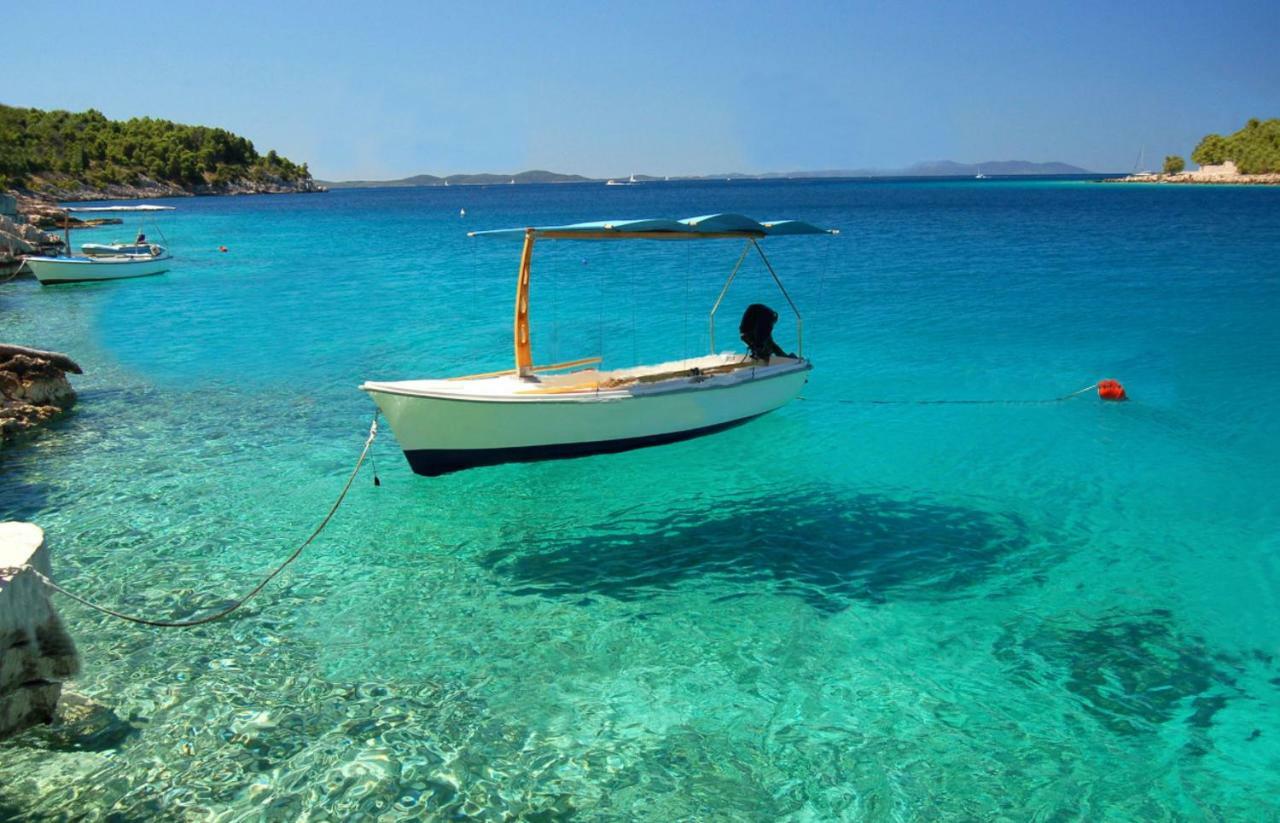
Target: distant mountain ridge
942,168
935,168
945,168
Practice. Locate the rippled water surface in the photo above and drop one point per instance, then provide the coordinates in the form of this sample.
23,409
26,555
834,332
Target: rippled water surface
843,610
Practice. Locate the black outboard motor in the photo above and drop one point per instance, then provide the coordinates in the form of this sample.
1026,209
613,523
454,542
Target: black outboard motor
756,330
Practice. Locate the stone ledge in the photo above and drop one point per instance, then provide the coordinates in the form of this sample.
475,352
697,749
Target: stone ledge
36,652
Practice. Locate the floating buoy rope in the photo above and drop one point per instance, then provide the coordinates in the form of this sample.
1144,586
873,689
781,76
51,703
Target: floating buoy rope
1107,390
186,624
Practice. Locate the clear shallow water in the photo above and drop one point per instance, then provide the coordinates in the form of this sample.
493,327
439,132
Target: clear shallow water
842,610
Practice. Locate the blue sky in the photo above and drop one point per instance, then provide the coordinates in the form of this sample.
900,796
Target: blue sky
380,90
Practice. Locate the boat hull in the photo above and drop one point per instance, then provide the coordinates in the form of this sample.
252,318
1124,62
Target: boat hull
435,462
440,435
49,270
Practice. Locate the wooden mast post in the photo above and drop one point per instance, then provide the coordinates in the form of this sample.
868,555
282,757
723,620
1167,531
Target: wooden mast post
524,355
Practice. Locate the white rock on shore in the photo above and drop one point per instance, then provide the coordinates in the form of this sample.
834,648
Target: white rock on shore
36,652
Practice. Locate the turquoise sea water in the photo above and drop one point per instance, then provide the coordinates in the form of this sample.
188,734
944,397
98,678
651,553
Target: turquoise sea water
843,610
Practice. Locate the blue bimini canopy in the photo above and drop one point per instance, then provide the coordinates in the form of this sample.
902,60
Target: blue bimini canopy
691,228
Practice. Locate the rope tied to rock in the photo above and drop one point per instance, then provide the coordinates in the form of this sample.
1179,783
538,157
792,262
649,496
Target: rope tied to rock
184,624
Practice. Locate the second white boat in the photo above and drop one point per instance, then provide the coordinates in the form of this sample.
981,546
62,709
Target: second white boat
51,270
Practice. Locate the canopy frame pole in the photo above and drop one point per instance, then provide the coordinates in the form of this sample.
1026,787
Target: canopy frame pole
776,279
524,353
746,247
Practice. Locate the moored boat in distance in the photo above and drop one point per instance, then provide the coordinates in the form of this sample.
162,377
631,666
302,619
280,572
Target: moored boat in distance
143,207
533,412
50,270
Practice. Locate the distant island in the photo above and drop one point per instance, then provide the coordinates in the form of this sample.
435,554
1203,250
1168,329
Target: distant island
534,176
939,168
1250,156
63,155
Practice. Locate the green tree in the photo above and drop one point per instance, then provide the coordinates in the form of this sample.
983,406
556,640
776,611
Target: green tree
1255,149
1173,164
1211,152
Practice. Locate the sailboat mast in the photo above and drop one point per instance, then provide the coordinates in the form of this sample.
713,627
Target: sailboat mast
524,356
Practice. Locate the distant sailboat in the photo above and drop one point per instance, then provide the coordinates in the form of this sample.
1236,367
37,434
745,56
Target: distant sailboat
1138,170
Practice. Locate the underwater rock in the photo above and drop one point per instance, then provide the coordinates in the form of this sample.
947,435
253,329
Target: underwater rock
1132,672
81,724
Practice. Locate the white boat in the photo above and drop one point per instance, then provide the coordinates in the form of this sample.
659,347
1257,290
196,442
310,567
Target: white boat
547,412
81,269
143,207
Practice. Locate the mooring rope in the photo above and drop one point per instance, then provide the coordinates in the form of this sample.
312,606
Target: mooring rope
1064,397
184,624
16,262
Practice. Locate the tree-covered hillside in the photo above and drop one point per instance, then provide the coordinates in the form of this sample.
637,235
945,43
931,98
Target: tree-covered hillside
1255,149
90,149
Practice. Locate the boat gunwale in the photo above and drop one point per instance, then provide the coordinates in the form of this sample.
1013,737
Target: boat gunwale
603,395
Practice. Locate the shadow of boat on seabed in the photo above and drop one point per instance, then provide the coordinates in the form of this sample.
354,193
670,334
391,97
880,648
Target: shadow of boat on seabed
829,549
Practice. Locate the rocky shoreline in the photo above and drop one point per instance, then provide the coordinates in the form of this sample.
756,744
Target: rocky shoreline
17,239
33,388
1202,177
67,191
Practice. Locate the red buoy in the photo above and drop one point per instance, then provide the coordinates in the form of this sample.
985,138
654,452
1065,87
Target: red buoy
1111,390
